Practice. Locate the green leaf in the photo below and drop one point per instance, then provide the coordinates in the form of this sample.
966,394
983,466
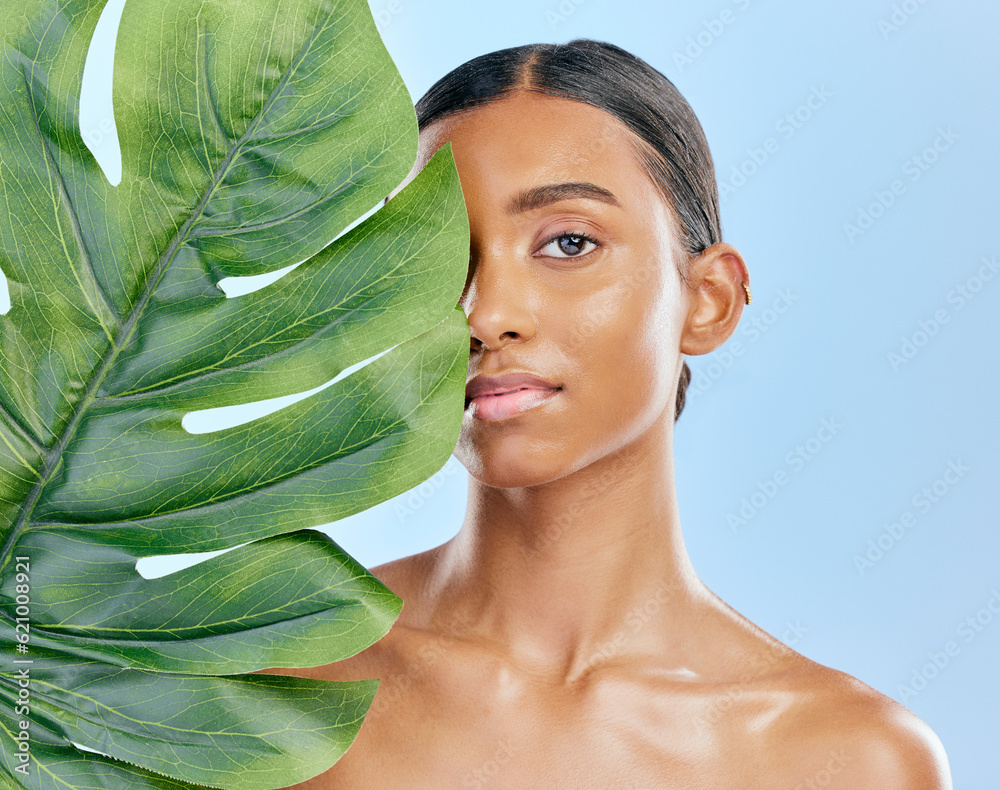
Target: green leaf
252,135
193,725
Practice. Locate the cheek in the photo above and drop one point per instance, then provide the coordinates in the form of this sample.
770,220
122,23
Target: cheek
626,352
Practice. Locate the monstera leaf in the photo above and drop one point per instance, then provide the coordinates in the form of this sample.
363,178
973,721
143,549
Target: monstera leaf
253,136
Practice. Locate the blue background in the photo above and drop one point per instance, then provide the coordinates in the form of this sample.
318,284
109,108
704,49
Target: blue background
820,116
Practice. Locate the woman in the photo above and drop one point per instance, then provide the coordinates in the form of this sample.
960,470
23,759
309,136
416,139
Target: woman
562,639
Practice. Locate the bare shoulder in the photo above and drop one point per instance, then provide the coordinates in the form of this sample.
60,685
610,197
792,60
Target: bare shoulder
847,734
808,725
405,575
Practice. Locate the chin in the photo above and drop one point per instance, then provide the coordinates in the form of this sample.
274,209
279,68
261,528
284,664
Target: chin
513,461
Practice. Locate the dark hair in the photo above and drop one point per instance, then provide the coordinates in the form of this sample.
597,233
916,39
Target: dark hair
676,156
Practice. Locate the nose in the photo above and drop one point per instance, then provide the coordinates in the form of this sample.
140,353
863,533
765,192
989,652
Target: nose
496,302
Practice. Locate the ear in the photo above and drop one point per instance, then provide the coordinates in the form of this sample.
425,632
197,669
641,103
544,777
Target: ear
715,298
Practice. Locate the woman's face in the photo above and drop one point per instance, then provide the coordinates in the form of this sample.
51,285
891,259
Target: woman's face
573,278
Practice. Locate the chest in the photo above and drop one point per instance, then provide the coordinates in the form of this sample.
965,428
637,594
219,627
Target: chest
425,733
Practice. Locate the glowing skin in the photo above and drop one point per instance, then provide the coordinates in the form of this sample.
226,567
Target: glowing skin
562,639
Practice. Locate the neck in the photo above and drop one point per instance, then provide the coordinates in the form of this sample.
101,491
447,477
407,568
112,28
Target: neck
586,569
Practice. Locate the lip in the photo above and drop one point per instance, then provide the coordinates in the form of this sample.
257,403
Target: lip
500,397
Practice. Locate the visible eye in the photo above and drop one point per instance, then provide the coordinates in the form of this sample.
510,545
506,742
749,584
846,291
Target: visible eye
569,245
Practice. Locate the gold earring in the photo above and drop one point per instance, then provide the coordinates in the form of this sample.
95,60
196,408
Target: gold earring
746,288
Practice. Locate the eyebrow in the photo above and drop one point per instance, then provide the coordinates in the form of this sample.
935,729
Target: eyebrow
537,197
